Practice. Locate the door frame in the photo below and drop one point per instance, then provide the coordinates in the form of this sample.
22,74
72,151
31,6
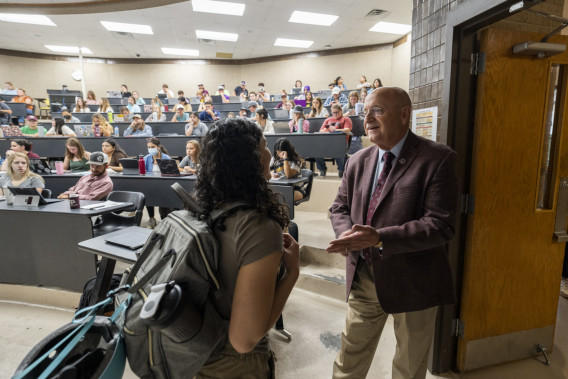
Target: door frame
456,130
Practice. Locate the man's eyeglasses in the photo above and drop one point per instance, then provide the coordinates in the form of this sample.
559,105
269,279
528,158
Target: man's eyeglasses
374,112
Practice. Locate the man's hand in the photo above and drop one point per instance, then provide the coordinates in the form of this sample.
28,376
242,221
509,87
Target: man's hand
63,196
357,238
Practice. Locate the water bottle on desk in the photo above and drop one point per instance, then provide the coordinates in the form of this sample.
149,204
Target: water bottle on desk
301,125
141,165
116,132
110,117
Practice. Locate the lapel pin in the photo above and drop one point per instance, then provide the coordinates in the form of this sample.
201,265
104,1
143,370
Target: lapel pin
402,161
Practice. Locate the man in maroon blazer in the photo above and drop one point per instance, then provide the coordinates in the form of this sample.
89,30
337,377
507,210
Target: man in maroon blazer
393,216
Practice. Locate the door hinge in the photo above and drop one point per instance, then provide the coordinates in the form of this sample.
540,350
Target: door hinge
458,328
467,203
477,63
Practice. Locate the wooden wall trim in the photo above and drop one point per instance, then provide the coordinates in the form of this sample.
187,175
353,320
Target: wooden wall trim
230,62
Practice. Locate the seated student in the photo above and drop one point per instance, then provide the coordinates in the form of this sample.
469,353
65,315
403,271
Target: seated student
97,184
299,114
67,116
75,156
262,94
81,106
201,88
243,113
284,100
232,115
156,115
157,101
287,162
9,89
132,106
5,113
138,128
209,114
318,110
155,151
124,91
290,108
336,98
252,106
166,90
18,174
266,125
240,89
105,129
336,123
114,154
92,99
205,99
183,101
349,108
309,97
191,162
180,115
59,129
127,116
32,129
19,145
138,100
21,97
195,127
339,83
105,106
225,98
253,96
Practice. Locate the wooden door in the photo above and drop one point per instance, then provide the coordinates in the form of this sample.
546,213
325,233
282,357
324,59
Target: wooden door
512,262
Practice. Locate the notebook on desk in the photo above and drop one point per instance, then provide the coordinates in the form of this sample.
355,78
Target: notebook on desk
133,240
169,167
129,166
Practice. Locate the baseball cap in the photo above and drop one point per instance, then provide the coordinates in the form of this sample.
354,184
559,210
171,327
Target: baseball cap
306,88
243,83
253,104
298,109
221,86
335,90
98,158
179,106
136,116
31,118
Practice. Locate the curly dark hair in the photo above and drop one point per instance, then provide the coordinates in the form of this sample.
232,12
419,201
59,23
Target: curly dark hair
231,170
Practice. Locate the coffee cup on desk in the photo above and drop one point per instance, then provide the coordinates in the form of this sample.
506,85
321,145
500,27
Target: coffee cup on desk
59,167
74,202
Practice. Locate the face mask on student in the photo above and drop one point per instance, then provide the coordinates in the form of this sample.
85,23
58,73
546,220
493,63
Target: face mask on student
153,151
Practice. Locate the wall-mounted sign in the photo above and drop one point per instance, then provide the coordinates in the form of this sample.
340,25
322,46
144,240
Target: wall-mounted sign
425,122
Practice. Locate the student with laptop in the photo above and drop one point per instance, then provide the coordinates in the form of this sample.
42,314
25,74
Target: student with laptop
155,151
59,129
97,184
18,174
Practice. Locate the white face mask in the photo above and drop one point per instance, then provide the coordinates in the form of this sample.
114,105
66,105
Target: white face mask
153,151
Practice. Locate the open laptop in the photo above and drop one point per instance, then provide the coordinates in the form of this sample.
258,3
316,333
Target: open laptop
169,167
216,99
281,114
39,166
129,166
83,130
30,191
114,94
194,100
133,240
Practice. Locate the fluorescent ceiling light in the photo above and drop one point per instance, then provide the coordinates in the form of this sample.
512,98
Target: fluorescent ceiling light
187,52
219,7
69,49
293,42
127,28
312,18
35,19
391,28
218,36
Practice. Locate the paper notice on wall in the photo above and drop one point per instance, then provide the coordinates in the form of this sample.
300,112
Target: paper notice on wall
425,122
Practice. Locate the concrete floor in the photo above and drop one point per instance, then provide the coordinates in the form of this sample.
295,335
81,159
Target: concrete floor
314,314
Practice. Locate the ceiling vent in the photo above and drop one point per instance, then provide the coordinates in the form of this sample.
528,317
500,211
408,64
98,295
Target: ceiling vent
123,35
376,12
205,42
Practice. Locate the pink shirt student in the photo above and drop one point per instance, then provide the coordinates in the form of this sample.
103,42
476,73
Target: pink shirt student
97,184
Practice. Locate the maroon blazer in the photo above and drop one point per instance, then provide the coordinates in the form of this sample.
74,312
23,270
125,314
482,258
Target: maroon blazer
415,219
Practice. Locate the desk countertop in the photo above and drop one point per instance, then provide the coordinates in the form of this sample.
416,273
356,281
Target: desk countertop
62,207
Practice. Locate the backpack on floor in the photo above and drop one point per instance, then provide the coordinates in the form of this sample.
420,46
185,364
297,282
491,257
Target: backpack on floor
173,323
89,289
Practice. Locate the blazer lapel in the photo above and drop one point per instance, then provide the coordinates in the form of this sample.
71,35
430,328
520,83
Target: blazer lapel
403,161
367,187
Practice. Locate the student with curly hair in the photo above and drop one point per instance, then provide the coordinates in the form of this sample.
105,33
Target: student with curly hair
235,169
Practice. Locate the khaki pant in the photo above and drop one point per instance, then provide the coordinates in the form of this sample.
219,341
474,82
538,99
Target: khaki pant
363,327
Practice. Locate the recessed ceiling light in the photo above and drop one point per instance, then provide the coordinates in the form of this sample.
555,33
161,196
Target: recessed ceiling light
312,18
390,27
293,43
69,49
187,52
219,7
218,36
127,28
35,19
